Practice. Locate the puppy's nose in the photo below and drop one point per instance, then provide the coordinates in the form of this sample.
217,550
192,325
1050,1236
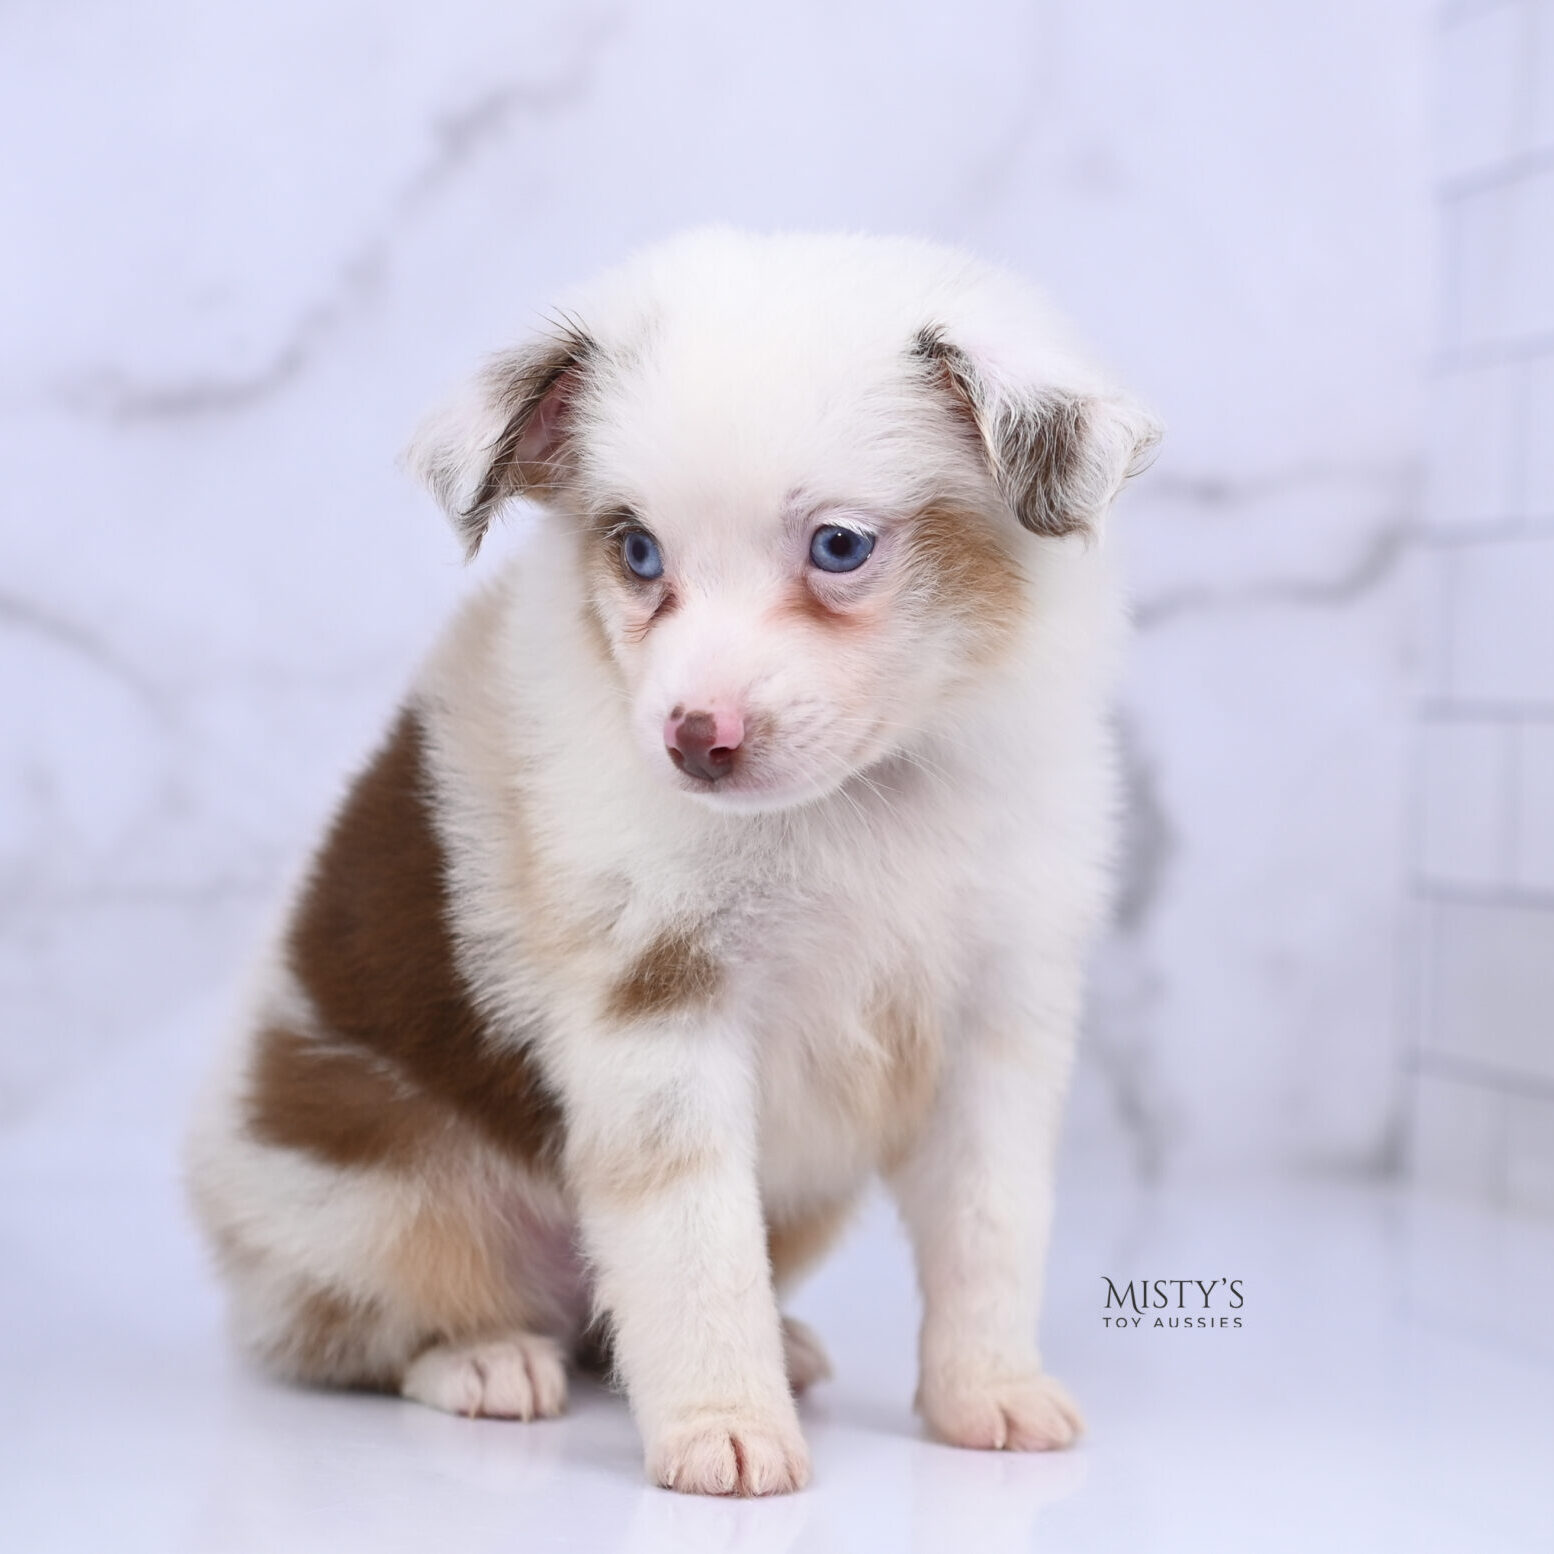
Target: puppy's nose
704,744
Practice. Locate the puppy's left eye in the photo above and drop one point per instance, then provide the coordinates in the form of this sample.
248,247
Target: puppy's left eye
835,549
640,552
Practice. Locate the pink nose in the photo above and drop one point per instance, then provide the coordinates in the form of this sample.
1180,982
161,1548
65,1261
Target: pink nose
703,744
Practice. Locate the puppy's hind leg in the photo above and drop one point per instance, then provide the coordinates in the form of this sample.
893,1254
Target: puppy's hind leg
457,1287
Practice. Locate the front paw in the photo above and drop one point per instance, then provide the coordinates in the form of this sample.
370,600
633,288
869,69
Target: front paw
1028,1412
718,1453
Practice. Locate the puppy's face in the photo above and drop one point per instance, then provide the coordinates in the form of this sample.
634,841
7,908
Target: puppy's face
772,653
800,528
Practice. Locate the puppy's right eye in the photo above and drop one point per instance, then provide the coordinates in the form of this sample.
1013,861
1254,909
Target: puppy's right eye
640,552
837,548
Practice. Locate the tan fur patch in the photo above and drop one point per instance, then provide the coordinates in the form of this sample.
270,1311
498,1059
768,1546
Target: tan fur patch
636,1172
676,972
795,1243
406,1048
449,1274
909,1043
805,604
959,563
645,1156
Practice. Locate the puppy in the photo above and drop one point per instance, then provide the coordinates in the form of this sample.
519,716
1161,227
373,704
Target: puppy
740,842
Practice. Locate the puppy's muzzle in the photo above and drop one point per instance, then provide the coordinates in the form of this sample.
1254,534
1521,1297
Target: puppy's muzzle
704,745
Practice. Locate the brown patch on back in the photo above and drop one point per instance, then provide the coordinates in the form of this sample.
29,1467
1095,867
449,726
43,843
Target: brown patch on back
795,1243
341,1104
959,563
406,1049
676,972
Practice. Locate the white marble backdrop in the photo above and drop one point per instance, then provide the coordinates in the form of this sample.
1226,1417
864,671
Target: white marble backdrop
245,246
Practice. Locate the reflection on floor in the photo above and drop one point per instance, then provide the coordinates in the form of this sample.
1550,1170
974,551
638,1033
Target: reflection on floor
1391,1387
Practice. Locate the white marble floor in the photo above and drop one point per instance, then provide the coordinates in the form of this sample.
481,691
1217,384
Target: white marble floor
1391,1388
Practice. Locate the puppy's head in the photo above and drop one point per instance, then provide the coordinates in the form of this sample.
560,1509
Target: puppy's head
809,482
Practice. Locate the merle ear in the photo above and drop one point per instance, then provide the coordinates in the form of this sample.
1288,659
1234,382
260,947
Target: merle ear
1058,455
508,433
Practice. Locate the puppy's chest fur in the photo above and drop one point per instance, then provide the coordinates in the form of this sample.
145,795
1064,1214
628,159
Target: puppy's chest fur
850,991
842,979
835,944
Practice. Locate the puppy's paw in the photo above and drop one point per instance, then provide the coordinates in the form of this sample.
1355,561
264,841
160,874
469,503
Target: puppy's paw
522,1376
803,1355
1027,1413
721,1454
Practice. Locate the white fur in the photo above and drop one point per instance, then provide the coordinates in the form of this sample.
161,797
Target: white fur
926,822
522,1376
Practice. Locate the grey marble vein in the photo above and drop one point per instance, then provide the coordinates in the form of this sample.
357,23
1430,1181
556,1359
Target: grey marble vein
33,619
1227,491
1376,561
112,394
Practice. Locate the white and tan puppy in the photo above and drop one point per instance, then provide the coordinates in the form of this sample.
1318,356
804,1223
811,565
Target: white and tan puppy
740,842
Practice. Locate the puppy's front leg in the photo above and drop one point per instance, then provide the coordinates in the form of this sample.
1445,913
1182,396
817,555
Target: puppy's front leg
662,1150
976,1194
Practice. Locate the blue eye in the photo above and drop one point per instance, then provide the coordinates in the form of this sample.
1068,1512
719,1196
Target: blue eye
640,552
835,549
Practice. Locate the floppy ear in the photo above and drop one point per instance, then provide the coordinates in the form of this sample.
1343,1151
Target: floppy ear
507,434
1058,455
